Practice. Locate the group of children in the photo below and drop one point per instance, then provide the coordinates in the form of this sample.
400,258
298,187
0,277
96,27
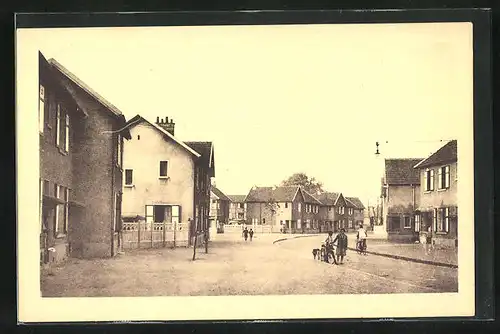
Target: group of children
341,242
247,233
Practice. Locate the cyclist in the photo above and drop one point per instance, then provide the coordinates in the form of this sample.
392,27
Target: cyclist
361,238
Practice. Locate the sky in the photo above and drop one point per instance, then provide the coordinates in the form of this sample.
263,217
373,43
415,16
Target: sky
276,100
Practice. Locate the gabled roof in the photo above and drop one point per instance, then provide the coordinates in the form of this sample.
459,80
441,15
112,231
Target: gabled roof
401,171
237,198
277,194
446,154
110,108
219,194
138,118
329,198
356,202
206,151
308,198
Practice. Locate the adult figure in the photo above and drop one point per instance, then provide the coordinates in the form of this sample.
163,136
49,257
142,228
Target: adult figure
245,234
341,240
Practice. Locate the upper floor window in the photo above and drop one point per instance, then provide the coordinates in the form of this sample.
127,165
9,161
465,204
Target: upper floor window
299,207
41,109
329,208
429,180
351,211
341,210
129,180
163,168
242,205
62,128
444,177
286,205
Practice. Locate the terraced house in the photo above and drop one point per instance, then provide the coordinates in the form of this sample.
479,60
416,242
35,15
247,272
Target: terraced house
335,212
81,145
219,208
437,214
237,207
356,211
400,198
166,195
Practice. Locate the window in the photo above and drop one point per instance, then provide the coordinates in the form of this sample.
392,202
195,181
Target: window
41,109
351,211
406,222
329,208
129,180
417,223
119,150
442,220
429,180
242,205
66,210
444,177
299,207
350,224
263,220
62,130
341,210
163,168
286,205
61,214
214,201
66,142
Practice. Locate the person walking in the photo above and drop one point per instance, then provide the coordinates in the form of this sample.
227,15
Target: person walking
361,238
245,234
251,234
341,240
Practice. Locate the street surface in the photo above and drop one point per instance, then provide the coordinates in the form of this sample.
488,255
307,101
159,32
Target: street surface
236,267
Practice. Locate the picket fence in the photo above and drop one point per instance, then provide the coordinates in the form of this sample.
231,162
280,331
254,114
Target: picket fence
154,235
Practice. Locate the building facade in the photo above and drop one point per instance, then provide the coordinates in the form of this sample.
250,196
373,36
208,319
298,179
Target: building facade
400,198
219,208
437,215
81,145
356,211
167,181
237,208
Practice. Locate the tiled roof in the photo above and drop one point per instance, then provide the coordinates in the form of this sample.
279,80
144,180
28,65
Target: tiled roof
266,194
446,154
237,198
138,118
356,202
220,194
328,198
401,171
205,149
85,87
308,198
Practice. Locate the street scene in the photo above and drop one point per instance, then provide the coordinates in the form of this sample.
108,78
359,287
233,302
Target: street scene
236,267
337,175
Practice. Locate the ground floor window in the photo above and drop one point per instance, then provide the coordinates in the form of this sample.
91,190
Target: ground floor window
406,222
393,223
163,214
417,223
351,224
442,220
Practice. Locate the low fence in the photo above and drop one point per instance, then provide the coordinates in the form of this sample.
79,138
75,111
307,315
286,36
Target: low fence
255,228
154,235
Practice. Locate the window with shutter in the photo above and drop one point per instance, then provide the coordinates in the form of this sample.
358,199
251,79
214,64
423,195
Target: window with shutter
447,177
426,181
431,179
163,169
440,178
41,109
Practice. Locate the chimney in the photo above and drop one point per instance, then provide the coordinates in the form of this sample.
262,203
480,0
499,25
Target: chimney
166,125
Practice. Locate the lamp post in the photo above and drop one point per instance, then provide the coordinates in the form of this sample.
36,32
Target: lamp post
380,228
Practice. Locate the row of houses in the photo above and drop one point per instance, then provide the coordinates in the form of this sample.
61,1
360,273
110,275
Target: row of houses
419,197
99,172
288,209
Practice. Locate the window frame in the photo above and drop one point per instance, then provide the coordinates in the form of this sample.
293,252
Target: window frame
125,183
429,180
160,169
41,109
119,151
405,219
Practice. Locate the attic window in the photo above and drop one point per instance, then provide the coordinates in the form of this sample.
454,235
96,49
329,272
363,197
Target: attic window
138,137
163,169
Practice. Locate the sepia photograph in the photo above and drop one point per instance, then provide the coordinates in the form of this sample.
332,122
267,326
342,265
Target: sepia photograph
243,165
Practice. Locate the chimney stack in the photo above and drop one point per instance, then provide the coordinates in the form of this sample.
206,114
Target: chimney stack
166,125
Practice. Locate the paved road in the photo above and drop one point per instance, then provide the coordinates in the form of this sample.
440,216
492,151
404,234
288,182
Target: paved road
235,267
